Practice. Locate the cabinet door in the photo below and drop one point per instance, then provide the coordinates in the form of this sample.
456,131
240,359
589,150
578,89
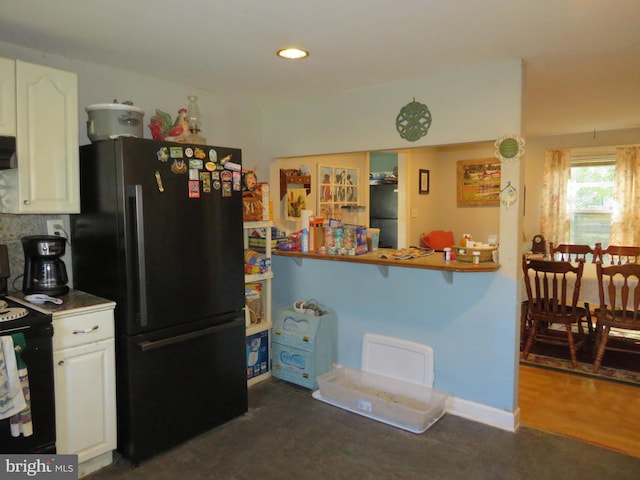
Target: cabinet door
7,97
47,140
85,399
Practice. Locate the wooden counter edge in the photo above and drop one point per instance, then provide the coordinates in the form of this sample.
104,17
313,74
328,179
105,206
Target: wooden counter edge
434,261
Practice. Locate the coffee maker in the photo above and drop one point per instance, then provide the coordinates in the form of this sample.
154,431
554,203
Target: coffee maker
44,269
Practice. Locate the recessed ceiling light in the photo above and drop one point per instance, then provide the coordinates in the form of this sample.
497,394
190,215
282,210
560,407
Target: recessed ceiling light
292,53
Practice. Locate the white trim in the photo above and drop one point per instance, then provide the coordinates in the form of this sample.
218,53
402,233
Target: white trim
591,152
478,412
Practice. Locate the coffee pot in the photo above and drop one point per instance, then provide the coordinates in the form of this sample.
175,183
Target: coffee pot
44,269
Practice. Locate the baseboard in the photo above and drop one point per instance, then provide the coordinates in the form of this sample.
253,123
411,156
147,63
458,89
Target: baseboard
94,464
478,412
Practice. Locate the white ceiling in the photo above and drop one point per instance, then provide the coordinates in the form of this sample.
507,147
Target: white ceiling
582,56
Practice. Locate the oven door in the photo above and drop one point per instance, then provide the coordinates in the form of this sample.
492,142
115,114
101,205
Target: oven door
38,356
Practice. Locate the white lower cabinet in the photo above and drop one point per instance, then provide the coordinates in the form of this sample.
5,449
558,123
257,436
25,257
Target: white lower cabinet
84,374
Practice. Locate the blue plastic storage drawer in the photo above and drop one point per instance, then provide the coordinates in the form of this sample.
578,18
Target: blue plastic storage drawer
302,346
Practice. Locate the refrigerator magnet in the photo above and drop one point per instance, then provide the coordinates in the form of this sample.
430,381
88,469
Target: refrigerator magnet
205,178
210,166
163,154
159,182
194,189
195,163
213,156
188,152
215,175
225,159
225,175
194,174
178,167
236,181
232,166
216,184
226,189
199,153
176,152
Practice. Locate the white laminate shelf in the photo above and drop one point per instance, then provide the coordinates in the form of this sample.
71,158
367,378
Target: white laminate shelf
265,279
258,327
258,277
258,224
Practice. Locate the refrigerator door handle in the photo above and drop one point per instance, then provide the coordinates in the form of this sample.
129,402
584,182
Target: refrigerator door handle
165,342
134,192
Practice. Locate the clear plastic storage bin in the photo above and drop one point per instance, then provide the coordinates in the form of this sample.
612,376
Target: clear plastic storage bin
402,404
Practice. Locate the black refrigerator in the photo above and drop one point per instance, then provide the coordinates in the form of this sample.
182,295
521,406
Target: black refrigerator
160,232
383,212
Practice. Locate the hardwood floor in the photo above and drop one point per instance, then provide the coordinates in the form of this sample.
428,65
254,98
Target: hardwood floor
597,411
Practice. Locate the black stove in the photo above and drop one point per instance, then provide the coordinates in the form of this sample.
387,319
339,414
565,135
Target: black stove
32,318
37,329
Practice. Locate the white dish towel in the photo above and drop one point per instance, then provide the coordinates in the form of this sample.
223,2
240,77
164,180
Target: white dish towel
12,399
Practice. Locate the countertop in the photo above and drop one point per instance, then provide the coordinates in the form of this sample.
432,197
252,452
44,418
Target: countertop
434,261
75,301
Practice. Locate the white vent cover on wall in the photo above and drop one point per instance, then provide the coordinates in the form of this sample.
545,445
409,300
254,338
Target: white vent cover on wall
393,357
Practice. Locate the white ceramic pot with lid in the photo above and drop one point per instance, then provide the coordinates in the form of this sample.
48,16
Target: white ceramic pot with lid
111,120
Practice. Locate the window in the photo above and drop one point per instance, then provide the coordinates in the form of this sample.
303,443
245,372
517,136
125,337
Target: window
590,197
603,191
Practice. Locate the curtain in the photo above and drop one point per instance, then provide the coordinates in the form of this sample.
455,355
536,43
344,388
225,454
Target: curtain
625,220
554,216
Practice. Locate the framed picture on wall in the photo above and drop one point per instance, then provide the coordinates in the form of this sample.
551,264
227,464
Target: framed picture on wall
479,182
337,186
423,185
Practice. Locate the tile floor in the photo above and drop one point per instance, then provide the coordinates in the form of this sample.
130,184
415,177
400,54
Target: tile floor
288,435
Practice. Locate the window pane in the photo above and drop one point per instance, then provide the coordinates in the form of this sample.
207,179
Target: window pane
590,196
590,228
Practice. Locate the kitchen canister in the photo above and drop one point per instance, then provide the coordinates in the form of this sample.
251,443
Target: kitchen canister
373,238
111,120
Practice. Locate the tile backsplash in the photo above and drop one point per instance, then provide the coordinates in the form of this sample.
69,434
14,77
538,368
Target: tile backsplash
12,229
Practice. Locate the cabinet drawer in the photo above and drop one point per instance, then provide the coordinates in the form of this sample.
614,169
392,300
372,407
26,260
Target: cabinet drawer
88,327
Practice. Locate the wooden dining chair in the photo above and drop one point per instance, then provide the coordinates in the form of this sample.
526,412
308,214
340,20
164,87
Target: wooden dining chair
617,254
571,252
619,287
553,289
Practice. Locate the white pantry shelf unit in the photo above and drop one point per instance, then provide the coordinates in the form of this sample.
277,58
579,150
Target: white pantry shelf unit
259,334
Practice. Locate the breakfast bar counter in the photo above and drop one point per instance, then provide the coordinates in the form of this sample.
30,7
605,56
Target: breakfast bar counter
385,257
447,306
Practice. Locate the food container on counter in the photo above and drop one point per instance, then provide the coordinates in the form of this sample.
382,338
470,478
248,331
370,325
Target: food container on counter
353,215
373,238
486,254
111,120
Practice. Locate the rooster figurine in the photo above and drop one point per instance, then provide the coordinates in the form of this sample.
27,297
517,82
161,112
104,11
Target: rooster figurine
156,127
162,128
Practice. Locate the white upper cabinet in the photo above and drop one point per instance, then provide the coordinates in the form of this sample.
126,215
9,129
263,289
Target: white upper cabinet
7,97
46,130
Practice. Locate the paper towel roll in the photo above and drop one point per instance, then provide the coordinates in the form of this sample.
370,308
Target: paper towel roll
305,216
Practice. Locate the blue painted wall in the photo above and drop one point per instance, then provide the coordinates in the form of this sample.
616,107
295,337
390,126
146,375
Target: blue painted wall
469,323
382,161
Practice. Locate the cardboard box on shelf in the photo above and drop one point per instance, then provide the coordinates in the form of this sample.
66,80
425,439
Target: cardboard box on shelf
257,354
263,188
